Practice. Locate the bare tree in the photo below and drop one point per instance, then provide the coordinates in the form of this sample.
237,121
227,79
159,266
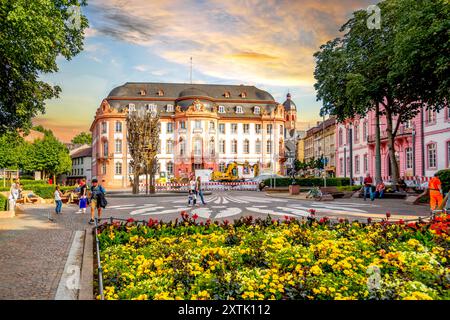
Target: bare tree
143,142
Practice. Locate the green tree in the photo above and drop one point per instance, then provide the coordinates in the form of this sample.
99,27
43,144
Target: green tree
360,71
82,138
10,150
49,156
32,35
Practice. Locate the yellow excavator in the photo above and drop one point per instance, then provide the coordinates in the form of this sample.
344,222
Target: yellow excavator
232,172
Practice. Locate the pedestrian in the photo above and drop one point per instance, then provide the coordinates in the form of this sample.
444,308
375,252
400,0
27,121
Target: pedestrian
14,192
192,188
58,200
436,194
198,189
192,199
82,197
97,200
379,190
368,186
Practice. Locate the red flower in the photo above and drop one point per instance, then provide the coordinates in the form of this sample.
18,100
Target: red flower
388,214
286,218
208,221
195,216
312,211
341,220
225,222
401,221
130,220
369,220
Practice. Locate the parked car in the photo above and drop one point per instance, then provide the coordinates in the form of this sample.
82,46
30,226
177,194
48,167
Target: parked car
263,177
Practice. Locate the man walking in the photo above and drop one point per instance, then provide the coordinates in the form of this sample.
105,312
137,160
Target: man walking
97,200
436,194
368,186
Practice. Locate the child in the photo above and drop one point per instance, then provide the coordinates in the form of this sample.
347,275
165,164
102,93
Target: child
192,198
58,200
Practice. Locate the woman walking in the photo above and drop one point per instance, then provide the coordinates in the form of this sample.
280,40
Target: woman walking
82,197
58,200
198,189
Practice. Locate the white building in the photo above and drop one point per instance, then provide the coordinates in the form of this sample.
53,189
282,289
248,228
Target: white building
81,164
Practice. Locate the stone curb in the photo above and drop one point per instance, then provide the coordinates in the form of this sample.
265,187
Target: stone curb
87,268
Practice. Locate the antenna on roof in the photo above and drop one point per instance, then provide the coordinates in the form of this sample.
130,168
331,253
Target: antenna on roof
191,70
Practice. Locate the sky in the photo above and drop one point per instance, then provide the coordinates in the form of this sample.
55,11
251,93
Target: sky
266,43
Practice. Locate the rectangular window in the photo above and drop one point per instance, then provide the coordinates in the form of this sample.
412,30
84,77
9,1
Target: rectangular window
281,130
82,171
233,128
246,128
118,168
431,152
356,134
222,128
104,127
269,129
366,163
169,127
234,146
246,146
118,126
198,124
105,149
198,147
356,164
169,147
222,146
409,158
257,128
431,116
104,168
182,125
269,146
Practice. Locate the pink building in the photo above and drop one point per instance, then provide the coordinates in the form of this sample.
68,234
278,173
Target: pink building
422,146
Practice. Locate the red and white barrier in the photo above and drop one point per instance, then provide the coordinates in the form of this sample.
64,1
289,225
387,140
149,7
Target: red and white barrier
207,186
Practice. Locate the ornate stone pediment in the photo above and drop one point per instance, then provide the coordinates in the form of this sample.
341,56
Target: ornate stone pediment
196,106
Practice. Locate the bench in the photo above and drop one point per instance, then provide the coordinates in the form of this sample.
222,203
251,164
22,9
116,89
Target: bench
333,191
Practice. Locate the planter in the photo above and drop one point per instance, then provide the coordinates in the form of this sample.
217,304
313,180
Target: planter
294,189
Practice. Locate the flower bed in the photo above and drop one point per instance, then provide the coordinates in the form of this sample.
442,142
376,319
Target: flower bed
268,259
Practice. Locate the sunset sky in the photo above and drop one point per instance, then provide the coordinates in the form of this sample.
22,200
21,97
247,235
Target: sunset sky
264,43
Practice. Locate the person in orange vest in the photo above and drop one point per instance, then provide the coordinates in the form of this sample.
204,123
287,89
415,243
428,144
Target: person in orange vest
436,193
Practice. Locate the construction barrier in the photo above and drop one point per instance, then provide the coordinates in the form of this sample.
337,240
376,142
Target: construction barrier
207,186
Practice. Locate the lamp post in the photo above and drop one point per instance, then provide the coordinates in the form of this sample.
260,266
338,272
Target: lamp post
414,150
350,154
345,161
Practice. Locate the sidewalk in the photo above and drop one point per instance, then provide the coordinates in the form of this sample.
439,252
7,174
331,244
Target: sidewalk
34,250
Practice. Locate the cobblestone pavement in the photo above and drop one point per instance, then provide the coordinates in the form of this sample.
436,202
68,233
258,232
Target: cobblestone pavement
33,250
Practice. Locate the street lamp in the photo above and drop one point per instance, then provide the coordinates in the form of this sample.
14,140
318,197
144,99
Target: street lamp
414,150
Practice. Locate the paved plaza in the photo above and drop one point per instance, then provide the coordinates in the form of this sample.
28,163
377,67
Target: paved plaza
34,250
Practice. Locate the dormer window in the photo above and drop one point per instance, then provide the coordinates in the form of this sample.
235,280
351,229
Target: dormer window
160,93
243,95
142,92
256,110
169,108
226,94
239,109
221,109
131,107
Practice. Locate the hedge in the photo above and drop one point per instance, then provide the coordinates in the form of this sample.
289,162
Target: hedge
47,191
3,202
310,182
444,176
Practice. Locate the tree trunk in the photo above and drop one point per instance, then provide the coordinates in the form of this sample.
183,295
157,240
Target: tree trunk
391,148
54,179
377,145
136,181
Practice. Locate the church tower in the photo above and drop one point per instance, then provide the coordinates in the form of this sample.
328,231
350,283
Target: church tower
290,111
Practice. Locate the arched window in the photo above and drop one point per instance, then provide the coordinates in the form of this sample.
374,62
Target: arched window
212,148
118,145
182,147
169,146
365,131
221,109
246,146
169,108
105,148
118,168
234,146
258,146
239,109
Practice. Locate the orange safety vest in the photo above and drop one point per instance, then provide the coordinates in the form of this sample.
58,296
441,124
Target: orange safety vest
434,185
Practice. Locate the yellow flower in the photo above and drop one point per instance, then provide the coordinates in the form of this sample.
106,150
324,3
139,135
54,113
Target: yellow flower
316,270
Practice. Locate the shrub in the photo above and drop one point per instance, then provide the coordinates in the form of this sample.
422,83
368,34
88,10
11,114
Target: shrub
3,202
444,176
348,188
310,182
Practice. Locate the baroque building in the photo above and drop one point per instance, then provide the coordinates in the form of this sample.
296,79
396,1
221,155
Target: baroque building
202,126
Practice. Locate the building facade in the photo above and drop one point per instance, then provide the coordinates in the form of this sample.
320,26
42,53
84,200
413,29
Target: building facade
201,127
422,145
81,165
